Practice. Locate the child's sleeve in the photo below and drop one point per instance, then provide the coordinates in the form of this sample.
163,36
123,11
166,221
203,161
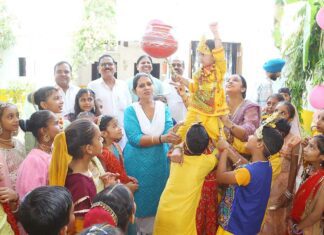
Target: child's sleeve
242,176
220,62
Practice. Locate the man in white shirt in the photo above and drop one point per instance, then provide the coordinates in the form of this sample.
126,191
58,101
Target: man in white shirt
174,100
113,93
68,91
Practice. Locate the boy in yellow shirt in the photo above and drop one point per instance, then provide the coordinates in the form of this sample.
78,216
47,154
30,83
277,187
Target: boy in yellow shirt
178,204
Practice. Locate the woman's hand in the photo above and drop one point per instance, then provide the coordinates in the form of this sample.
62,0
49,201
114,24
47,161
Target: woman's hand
176,127
133,179
8,195
132,187
109,179
171,137
226,121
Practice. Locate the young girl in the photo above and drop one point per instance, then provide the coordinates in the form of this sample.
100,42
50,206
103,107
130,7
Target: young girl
112,157
245,200
114,205
85,101
308,204
271,104
12,153
73,150
46,98
33,172
283,185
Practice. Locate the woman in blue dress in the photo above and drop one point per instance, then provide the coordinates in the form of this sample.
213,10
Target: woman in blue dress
148,126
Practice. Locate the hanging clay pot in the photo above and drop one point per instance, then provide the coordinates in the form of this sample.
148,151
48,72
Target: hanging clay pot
158,41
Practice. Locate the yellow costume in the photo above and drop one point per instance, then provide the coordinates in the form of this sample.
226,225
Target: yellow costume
207,96
176,213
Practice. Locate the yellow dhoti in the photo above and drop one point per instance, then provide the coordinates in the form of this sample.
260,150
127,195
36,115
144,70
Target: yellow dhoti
212,124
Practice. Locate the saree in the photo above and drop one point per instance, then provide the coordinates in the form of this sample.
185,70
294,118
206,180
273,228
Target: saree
305,201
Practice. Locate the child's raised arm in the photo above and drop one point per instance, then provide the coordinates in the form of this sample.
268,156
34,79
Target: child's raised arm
223,176
214,29
240,176
218,52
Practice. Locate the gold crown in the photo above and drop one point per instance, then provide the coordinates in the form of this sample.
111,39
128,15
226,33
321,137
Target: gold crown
202,47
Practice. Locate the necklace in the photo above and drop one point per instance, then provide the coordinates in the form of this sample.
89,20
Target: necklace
45,148
8,143
235,111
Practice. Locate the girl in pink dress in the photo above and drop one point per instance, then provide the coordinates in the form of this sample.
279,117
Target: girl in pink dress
33,172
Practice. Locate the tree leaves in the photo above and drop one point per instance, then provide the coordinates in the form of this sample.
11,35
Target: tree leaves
96,33
7,37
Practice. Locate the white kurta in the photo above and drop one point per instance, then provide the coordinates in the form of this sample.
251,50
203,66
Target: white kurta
114,101
68,98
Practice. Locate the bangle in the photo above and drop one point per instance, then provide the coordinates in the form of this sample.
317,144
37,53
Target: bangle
152,139
237,162
16,200
288,194
15,211
160,139
295,230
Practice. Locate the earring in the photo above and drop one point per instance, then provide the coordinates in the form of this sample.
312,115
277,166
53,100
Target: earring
132,220
46,138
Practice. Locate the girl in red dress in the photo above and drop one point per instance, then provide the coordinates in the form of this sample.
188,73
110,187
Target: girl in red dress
112,157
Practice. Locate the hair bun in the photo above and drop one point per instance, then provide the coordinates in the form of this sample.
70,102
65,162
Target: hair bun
25,125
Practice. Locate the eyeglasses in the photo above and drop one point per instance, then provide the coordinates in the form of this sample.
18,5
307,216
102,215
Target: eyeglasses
176,65
106,64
